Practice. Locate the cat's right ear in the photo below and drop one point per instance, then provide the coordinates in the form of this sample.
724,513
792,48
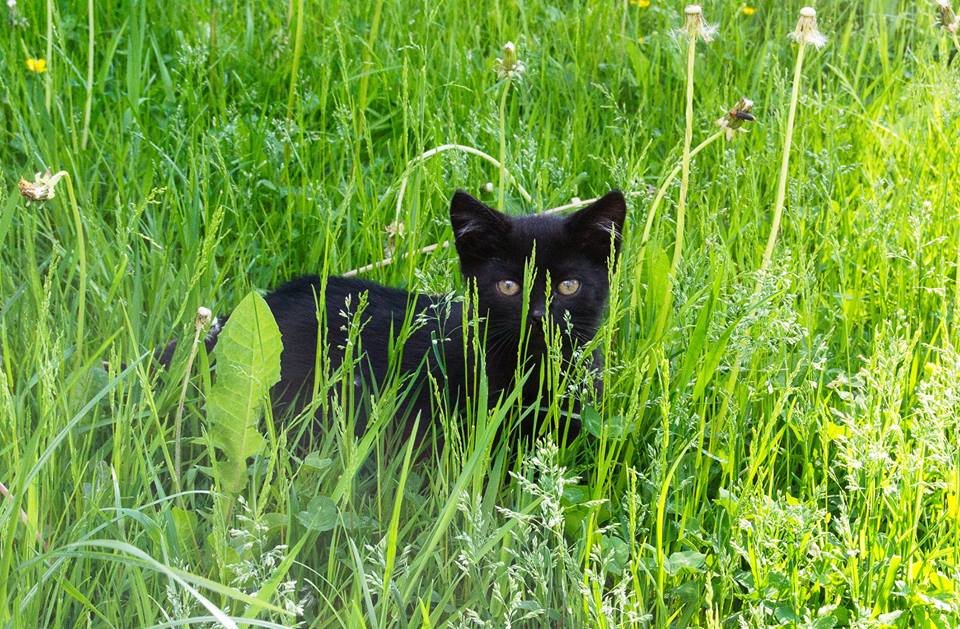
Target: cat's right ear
478,230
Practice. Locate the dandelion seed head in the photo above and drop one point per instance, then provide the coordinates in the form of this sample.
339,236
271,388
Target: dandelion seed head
806,31
948,19
204,315
695,27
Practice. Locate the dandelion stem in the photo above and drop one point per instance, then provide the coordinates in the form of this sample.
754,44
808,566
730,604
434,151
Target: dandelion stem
503,144
785,161
662,191
685,162
88,104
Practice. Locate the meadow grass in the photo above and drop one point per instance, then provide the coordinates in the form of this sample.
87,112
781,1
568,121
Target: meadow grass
773,447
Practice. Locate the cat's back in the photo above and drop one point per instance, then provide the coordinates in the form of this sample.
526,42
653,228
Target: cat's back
343,297
378,314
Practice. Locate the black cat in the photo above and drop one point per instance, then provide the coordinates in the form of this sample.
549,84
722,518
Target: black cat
572,253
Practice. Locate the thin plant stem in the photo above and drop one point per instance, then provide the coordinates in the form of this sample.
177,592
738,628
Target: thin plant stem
178,419
419,159
88,103
81,267
784,162
295,62
685,163
503,143
24,518
367,64
48,79
662,191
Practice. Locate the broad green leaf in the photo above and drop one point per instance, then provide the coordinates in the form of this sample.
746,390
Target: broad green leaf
616,552
615,427
320,516
248,364
314,461
684,561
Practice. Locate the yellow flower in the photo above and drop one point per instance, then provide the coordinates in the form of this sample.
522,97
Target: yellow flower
953,488
643,4
748,10
38,66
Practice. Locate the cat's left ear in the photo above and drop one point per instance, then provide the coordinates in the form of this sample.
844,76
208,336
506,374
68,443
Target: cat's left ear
595,225
479,231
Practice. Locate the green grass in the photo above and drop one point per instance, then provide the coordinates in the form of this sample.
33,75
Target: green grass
779,447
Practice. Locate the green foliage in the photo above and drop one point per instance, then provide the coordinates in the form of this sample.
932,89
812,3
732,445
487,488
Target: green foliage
248,364
770,449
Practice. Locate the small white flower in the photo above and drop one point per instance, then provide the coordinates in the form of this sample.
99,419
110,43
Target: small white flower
806,31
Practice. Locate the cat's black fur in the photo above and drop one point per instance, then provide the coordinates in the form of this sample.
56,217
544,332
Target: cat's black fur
492,247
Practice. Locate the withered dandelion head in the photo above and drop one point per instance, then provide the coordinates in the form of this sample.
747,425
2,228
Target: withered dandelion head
733,120
43,186
509,66
37,66
395,232
806,31
203,317
694,26
948,19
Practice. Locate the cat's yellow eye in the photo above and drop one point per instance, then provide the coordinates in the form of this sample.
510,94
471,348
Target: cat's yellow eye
508,287
568,287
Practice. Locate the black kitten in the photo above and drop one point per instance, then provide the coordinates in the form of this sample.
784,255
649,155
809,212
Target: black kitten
570,253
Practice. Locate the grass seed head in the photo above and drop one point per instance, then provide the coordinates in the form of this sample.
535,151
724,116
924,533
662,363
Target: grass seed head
806,31
733,120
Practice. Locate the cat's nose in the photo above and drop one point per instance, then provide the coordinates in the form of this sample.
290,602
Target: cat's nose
536,314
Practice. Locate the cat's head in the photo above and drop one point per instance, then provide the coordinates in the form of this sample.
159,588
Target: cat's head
572,253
